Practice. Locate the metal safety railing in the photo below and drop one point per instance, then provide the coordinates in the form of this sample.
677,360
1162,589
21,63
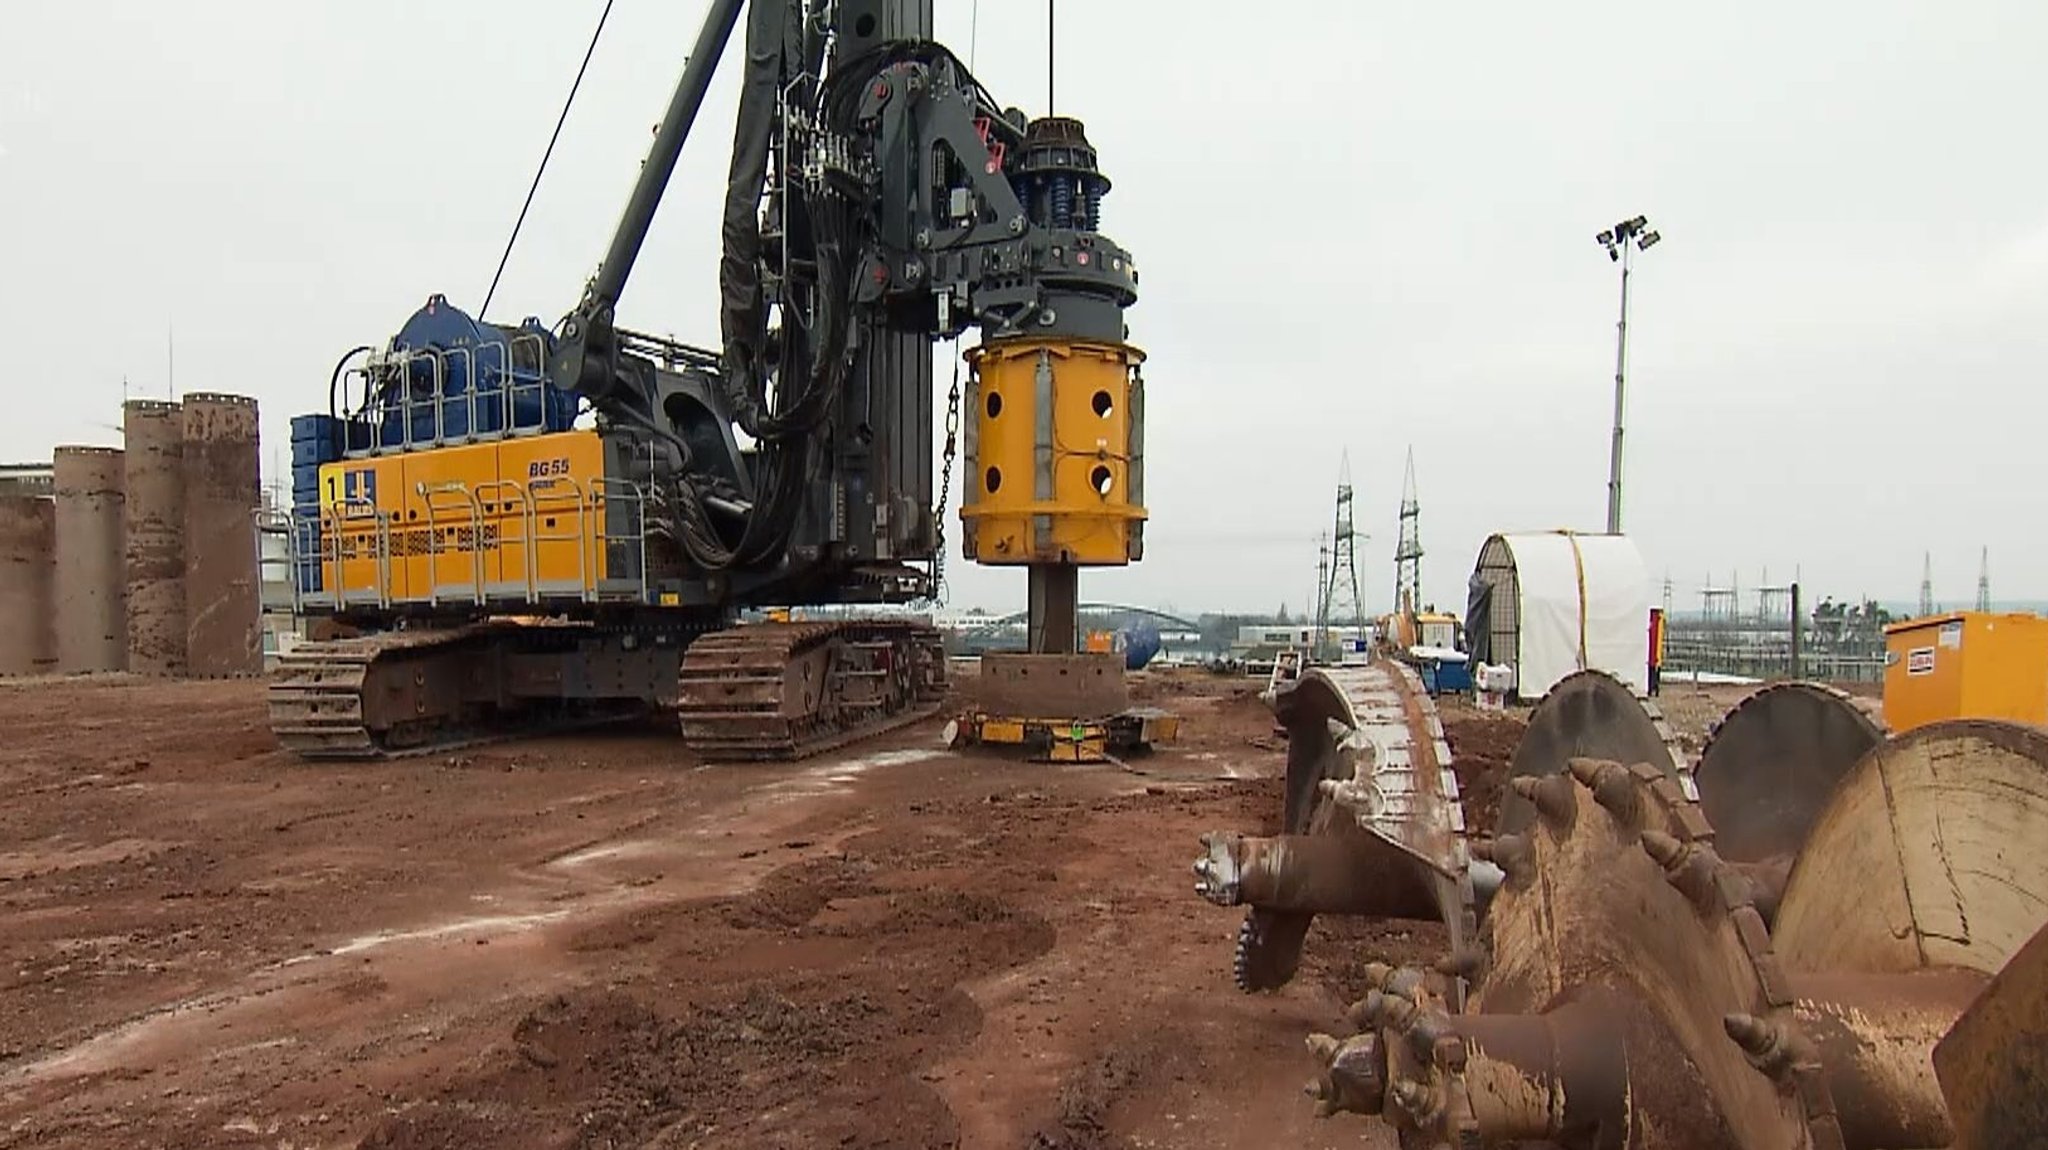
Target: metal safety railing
464,531
440,500
323,544
551,499
515,532
499,398
629,499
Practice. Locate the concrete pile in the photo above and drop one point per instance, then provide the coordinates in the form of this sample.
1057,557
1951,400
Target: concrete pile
143,558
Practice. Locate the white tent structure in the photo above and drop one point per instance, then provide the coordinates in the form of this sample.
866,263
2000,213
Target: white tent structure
1551,603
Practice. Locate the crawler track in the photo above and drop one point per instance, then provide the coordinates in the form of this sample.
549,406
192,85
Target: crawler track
789,690
754,692
404,693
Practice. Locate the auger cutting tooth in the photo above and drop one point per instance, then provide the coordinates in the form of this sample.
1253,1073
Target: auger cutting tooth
1390,1012
1769,1048
1757,1037
1616,793
1425,1030
1414,1097
1667,851
1353,1080
1588,771
1694,871
1324,1047
1217,873
1399,982
1551,795
1449,1053
1319,1091
1366,1013
1513,854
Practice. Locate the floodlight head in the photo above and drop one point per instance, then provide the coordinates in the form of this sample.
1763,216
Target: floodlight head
1648,240
1613,253
1606,238
1638,224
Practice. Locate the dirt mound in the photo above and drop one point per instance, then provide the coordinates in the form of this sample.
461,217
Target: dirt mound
1339,948
794,895
1482,748
604,1069
1085,1099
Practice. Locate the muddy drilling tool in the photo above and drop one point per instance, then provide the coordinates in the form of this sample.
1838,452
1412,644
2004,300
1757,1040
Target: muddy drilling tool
1815,936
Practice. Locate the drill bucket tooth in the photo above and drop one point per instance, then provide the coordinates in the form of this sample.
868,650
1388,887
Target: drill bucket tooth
1219,877
1324,1047
1515,855
1667,851
1769,1046
1756,1036
1616,792
1353,1078
1553,796
1415,1098
1589,771
1425,1031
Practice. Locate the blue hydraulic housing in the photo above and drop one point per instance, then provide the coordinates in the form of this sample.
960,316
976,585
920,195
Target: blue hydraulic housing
458,378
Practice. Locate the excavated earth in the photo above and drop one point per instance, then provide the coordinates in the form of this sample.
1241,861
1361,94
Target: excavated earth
600,942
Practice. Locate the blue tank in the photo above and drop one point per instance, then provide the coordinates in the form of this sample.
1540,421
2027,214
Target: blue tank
316,439
1140,644
474,376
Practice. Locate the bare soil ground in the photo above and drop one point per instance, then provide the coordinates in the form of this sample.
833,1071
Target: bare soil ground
599,942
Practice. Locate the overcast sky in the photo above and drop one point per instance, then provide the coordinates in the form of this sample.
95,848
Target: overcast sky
1361,227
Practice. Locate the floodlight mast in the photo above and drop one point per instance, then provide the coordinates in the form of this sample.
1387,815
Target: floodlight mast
1621,242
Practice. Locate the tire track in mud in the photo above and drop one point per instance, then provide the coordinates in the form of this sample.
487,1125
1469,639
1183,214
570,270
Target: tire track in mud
806,1012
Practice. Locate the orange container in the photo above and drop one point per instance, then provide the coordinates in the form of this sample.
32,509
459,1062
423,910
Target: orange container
1966,665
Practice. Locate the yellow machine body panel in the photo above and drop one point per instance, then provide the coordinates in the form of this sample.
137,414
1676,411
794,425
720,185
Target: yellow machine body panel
1966,665
562,478
1054,471
517,520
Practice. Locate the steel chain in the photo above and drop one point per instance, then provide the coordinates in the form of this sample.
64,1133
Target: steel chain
946,480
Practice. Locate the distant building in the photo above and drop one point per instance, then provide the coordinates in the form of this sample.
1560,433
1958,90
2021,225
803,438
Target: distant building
1259,642
27,479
